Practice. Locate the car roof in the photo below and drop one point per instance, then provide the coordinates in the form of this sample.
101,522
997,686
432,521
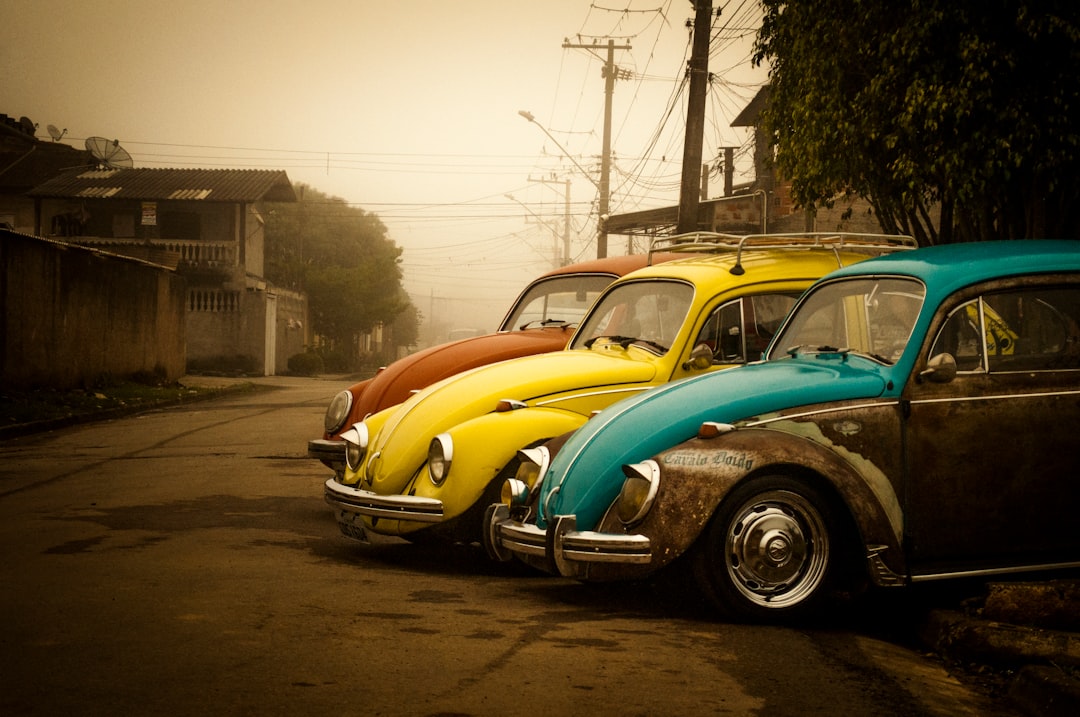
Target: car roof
618,265
948,267
750,266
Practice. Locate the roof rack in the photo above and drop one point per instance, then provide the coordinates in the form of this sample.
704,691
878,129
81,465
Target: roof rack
715,242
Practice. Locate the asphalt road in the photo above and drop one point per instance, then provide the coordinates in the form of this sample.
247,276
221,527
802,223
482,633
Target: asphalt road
183,562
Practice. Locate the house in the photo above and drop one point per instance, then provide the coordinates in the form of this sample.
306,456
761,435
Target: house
25,162
203,223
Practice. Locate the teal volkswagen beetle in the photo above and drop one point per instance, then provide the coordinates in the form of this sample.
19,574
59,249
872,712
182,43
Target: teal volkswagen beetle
914,419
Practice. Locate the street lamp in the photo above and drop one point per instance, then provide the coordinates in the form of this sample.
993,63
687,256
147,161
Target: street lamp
602,186
529,116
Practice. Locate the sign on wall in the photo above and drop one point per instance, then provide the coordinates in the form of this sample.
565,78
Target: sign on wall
149,214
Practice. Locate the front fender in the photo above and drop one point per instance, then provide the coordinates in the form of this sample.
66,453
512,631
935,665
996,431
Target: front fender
697,475
374,424
359,405
484,445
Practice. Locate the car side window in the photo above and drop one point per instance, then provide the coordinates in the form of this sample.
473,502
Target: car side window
740,330
1031,329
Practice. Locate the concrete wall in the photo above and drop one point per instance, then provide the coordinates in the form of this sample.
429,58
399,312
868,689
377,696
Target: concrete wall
265,325
70,316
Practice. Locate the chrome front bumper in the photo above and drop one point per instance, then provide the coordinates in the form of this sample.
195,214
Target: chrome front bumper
566,550
350,502
331,453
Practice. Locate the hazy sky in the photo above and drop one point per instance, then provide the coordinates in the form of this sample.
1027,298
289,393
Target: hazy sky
405,109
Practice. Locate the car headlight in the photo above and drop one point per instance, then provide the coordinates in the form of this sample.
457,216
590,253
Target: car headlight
338,412
514,493
440,457
638,491
522,489
356,445
534,464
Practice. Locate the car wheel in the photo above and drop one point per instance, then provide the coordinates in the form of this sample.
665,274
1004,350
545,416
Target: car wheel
768,553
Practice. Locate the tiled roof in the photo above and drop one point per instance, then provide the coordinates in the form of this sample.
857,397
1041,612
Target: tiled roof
210,185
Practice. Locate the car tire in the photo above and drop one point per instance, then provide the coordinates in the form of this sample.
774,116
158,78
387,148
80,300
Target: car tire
770,552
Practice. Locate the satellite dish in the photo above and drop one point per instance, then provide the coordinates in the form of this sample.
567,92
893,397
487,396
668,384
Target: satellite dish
108,153
56,134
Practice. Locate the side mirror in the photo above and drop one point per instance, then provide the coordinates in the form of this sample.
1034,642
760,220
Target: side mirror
940,368
701,358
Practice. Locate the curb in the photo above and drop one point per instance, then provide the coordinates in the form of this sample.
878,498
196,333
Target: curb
998,643
1044,684
1045,691
206,393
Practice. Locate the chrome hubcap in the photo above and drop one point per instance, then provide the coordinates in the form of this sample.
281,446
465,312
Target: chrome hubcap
777,549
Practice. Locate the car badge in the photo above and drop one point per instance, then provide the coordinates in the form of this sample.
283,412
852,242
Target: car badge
847,428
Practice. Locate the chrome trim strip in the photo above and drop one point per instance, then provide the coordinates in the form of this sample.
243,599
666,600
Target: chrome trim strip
821,411
1014,396
590,394
927,577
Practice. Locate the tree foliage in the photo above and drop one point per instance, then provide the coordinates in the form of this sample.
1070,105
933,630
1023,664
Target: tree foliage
341,257
956,119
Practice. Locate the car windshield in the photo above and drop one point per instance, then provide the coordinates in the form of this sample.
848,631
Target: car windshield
559,300
648,311
873,316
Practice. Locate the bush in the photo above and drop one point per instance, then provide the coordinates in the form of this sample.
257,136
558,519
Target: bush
306,364
337,361
237,365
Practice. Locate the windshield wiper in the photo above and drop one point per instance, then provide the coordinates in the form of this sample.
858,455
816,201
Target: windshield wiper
823,349
625,341
655,344
544,323
613,339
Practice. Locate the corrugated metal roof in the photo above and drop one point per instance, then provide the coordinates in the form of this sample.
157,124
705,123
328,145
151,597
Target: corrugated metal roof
210,185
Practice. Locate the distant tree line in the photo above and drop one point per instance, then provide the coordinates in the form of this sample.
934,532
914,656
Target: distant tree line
958,120
341,257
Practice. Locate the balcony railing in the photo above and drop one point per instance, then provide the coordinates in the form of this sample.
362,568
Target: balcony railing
174,253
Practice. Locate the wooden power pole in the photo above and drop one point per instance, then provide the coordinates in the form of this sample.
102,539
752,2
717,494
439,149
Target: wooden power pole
698,67
610,73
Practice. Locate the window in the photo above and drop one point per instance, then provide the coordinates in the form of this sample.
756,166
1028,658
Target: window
870,316
1030,329
740,330
650,310
561,298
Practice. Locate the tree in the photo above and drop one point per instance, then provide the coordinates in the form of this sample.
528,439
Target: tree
341,257
956,119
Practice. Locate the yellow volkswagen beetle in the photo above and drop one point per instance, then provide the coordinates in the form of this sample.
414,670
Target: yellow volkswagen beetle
431,465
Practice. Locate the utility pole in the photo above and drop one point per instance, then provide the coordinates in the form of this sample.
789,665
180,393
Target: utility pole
566,215
609,72
698,67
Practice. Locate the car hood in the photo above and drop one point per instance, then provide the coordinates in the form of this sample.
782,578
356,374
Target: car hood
395,383
402,443
587,471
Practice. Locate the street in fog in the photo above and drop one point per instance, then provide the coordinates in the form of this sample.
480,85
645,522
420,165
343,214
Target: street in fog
182,561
